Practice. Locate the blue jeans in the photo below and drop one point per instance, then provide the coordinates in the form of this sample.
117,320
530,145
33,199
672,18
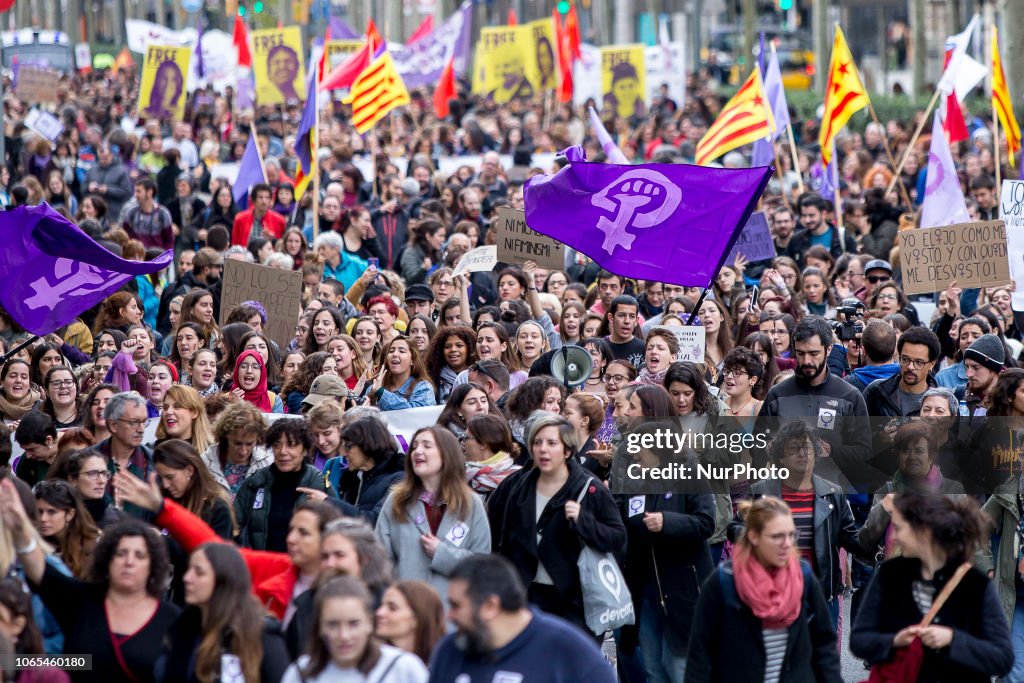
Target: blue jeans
659,662
1017,637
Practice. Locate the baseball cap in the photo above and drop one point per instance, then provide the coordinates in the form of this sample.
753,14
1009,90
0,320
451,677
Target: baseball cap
325,387
878,264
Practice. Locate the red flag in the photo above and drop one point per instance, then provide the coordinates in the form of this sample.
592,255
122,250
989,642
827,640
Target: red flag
572,28
346,73
512,19
445,90
563,48
241,40
953,123
423,30
323,64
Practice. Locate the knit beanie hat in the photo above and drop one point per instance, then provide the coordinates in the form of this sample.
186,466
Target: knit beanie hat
987,350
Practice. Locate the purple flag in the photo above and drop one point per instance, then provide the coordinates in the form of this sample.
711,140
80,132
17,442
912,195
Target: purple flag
611,150
764,152
245,95
340,30
200,64
421,63
943,199
663,222
52,271
250,172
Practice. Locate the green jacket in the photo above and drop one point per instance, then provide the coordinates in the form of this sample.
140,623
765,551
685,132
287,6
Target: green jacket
252,504
1002,509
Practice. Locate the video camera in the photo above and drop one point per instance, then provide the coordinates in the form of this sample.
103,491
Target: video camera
849,324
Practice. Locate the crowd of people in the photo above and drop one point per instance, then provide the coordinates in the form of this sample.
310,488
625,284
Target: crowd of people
188,499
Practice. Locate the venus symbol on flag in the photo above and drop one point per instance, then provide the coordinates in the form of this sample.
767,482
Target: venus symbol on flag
640,198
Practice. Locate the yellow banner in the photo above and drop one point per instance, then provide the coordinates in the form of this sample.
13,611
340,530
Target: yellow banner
503,55
162,91
623,80
277,65
542,70
339,50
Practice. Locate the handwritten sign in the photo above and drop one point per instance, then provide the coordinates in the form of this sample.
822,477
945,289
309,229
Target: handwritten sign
691,340
755,241
517,243
479,260
37,85
973,254
1011,210
279,291
44,123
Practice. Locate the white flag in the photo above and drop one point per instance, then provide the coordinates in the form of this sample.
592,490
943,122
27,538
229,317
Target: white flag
943,199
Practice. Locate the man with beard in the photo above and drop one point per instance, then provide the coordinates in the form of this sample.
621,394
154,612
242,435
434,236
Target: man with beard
827,402
499,638
918,350
983,361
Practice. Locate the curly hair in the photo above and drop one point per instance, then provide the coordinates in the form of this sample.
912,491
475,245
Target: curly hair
1000,400
106,548
241,417
309,370
295,431
529,396
435,353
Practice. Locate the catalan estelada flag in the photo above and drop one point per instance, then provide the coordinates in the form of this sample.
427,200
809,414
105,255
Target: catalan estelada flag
844,94
377,90
1002,104
745,118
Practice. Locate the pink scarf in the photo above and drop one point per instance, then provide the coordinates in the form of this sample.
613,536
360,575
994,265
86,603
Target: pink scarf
773,595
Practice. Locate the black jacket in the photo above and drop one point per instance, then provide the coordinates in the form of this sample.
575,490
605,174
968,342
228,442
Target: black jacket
178,662
834,528
511,511
364,497
883,400
981,645
252,504
672,564
729,645
839,413
800,242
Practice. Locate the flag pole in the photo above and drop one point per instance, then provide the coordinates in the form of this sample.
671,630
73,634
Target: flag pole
315,161
838,201
888,153
913,140
995,140
782,176
796,159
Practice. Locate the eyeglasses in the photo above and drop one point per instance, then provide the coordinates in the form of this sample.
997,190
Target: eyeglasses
616,379
736,373
134,424
445,283
887,297
780,538
916,362
798,448
58,383
875,279
95,475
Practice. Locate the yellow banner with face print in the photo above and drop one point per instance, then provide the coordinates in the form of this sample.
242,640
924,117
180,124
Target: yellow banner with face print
162,91
504,55
624,80
278,65
542,67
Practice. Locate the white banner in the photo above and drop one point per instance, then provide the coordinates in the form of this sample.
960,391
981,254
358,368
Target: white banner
1011,210
143,33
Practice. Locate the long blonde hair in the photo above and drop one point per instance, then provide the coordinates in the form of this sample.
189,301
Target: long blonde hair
189,399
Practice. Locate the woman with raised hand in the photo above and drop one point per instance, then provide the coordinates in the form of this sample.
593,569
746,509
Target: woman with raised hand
431,519
402,382
223,631
118,617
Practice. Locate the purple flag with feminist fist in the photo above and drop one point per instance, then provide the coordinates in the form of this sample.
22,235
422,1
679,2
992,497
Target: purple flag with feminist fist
52,271
663,222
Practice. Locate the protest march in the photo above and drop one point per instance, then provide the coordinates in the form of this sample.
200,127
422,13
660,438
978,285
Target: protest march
507,354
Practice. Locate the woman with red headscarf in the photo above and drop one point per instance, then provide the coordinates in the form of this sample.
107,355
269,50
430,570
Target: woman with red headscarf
250,383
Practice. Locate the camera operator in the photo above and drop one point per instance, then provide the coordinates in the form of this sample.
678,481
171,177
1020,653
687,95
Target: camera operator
876,347
846,352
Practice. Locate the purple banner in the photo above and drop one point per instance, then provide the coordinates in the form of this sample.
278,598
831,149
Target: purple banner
341,30
52,271
421,63
670,223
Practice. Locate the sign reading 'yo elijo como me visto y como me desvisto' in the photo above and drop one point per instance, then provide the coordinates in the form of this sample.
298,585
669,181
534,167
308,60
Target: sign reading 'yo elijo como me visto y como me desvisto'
972,254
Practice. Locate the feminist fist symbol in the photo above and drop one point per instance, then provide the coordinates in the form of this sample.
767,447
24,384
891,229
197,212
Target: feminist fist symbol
640,198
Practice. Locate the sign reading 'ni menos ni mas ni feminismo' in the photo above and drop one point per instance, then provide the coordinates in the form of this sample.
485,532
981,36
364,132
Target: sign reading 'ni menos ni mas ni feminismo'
517,243
972,254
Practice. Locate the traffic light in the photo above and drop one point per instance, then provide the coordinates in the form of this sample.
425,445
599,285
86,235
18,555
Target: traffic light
257,7
563,7
785,5
241,10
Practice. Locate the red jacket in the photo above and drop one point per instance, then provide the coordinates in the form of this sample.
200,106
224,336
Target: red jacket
273,226
273,574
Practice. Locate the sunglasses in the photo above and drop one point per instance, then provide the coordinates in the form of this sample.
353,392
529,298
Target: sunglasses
875,279
479,367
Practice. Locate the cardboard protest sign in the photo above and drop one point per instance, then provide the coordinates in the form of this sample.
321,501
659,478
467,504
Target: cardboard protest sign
279,291
1011,210
518,244
755,242
973,254
692,339
162,91
277,65
36,84
479,260
44,123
